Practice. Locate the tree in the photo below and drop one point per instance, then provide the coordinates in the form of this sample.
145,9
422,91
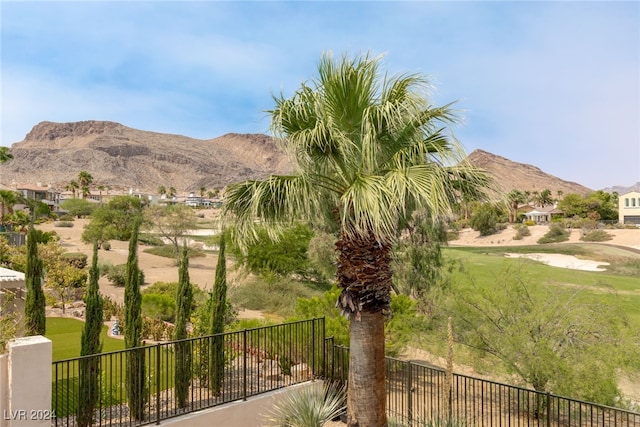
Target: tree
572,205
78,207
218,311
64,279
89,367
184,302
162,190
114,220
8,199
544,198
72,186
133,329
101,188
514,199
172,222
84,181
553,338
485,219
5,155
203,191
369,149
34,311
172,192
418,256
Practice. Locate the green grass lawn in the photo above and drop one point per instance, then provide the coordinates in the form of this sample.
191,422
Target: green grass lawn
65,334
485,264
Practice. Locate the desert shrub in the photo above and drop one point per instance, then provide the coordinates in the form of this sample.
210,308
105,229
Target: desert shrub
521,231
150,240
110,309
66,217
596,236
169,251
485,219
63,224
159,306
556,234
116,274
76,259
106,246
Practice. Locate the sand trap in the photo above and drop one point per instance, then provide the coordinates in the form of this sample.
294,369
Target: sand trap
563,261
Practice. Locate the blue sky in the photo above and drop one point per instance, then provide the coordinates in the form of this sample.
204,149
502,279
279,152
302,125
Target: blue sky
553,84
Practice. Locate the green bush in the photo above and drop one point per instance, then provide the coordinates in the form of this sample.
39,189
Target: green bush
76,259
556,234
116,274
150,240
596,236
106,245
169,251
159,307
521,231
66,217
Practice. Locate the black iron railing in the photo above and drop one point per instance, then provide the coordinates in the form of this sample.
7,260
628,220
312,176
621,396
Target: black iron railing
253,361
416,395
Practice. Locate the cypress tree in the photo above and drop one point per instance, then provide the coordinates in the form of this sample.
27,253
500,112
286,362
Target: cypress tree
184,300
219,305
35,317
133,329
89,367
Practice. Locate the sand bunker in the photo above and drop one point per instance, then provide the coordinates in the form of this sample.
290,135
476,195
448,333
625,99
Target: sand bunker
563,261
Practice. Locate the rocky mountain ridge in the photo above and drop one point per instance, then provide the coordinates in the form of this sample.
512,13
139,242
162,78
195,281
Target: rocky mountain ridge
121,158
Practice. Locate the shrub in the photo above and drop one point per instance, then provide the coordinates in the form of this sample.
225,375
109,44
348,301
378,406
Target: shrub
159,306
521,231
150,240
556,234
76,259
66,217
106,246
596,236
117,273
169,251
530,222
63,224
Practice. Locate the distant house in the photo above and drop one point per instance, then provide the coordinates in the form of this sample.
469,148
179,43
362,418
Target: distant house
47,195
629,208
544,215
194,201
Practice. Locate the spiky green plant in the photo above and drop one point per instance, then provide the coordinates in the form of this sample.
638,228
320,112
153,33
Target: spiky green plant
309,406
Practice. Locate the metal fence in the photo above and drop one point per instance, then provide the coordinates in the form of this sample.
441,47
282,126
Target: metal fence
417,395
254,361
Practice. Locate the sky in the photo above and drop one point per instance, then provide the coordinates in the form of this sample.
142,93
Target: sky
551,84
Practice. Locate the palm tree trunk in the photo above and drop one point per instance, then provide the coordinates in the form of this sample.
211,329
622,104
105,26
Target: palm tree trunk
366,401
364,274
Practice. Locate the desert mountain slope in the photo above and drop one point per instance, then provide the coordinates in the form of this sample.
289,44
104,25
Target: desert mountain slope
122,157
509,175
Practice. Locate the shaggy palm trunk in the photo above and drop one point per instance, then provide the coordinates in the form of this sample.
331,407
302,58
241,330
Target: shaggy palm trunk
89,367
364,273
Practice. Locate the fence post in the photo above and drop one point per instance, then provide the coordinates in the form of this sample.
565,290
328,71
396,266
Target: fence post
313,347
548,408
409,399
158,384
244,364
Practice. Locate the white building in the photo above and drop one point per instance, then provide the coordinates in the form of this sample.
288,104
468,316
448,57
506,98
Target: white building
629,208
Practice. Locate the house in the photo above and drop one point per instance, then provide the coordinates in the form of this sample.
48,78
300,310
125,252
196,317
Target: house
629,208
544,215
38,192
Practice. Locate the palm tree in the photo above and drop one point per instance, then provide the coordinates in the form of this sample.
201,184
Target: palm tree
84,180
8,198
72,186
101,188
515,198
203,191
172,192
367,150
5,155
162,190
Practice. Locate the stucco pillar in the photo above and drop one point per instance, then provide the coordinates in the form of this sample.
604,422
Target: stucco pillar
29,375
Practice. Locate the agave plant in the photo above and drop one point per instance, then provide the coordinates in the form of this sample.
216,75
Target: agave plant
309,406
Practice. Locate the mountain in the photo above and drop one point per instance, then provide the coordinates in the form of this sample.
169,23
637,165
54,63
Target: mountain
620,189
509,175
123,158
